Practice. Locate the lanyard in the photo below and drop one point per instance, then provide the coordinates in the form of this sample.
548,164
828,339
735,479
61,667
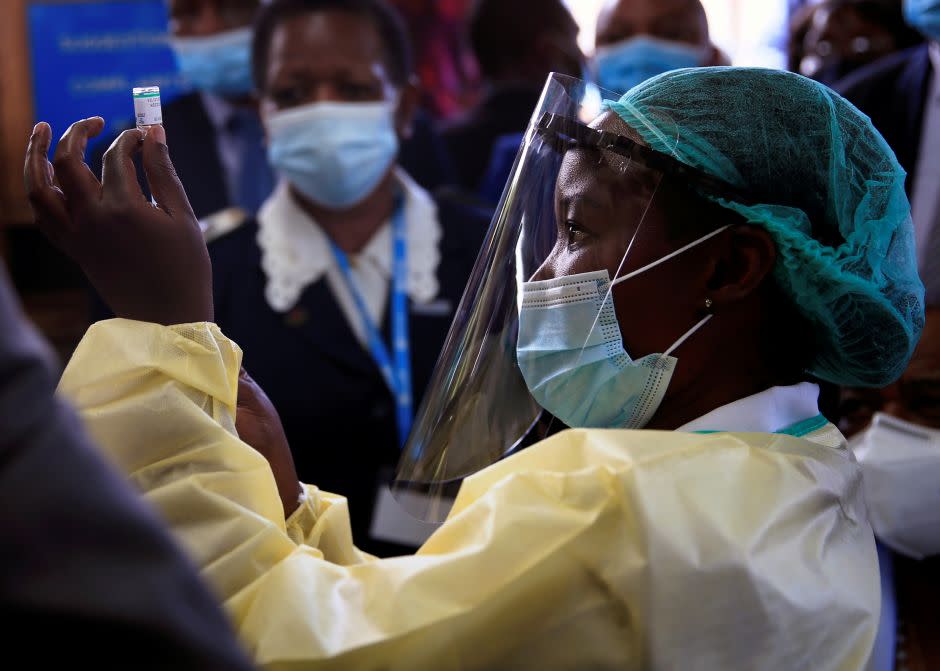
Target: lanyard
395,368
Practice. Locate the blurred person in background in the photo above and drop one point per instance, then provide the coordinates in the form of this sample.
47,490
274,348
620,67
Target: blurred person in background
831,39
343,288
443,59
901,94
516,45
895,434
638,39
218,144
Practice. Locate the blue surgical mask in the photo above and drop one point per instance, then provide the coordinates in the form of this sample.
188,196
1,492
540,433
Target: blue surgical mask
219,64
924,15
334,153
622,66
572,357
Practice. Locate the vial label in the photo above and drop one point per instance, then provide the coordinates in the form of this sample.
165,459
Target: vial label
147,106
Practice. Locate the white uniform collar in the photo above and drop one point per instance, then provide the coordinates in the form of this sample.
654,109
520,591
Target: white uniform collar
769,411
295,252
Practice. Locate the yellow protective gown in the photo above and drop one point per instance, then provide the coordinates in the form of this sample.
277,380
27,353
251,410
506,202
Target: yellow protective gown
592,550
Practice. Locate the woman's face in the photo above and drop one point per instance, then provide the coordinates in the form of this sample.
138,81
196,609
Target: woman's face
610,215
327,56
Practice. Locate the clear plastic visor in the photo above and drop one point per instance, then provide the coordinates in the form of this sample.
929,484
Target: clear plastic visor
579,195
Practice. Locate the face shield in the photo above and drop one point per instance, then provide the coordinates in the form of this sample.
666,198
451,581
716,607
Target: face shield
579,197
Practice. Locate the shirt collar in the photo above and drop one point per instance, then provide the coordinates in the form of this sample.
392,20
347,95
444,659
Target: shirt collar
219,111
295,252
769,411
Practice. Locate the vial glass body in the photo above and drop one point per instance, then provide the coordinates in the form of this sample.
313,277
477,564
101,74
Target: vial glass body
147,109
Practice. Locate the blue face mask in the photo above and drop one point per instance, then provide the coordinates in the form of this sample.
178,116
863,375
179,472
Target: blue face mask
924,15
622,66
220,64
572,357
334,153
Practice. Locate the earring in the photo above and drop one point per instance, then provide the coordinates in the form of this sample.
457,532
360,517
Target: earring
708,303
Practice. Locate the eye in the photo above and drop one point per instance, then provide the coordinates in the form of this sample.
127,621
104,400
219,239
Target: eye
576,234
356,91
289,96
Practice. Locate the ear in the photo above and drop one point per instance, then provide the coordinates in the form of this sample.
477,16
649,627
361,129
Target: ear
408,102
742,260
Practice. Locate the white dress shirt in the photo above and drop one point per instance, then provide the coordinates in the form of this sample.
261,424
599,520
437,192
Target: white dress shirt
220,112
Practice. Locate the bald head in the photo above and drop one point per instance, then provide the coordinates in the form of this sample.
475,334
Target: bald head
675,20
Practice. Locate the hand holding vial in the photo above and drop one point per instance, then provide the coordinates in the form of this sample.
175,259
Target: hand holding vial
148,262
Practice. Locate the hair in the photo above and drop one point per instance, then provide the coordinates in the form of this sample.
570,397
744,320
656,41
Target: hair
503,32
387,21
788,341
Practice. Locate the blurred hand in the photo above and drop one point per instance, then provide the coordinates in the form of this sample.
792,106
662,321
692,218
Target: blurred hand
147,262
259,425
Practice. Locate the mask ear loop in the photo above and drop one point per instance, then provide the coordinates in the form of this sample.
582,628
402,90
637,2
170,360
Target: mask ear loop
607,295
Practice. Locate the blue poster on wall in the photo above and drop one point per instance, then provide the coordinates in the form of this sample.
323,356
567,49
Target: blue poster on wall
87,56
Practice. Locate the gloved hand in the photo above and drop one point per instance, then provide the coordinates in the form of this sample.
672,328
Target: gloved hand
148,262
259,425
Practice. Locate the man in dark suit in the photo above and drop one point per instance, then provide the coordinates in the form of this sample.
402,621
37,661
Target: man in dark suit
89,578
901,94
517,44
308,289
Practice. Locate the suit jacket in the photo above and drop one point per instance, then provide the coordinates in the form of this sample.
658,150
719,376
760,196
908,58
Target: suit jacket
338,413
89,577
893,91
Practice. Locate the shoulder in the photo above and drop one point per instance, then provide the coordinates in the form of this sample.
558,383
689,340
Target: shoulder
235,248
879,77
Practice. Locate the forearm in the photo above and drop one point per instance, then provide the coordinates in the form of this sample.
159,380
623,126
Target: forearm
160,401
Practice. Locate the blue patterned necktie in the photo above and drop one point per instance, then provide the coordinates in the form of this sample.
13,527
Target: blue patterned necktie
255,179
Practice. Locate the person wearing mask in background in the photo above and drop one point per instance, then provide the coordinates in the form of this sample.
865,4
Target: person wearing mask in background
733,536
901,94
636,40
832,39
513,64
89,576
895,434
343,288
219,143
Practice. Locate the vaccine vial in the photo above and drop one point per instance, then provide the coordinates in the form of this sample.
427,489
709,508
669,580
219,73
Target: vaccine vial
147,106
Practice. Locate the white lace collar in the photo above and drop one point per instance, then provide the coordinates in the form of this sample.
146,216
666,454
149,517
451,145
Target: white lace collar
295,252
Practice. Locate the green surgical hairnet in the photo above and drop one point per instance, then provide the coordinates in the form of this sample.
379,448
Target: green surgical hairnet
825,185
